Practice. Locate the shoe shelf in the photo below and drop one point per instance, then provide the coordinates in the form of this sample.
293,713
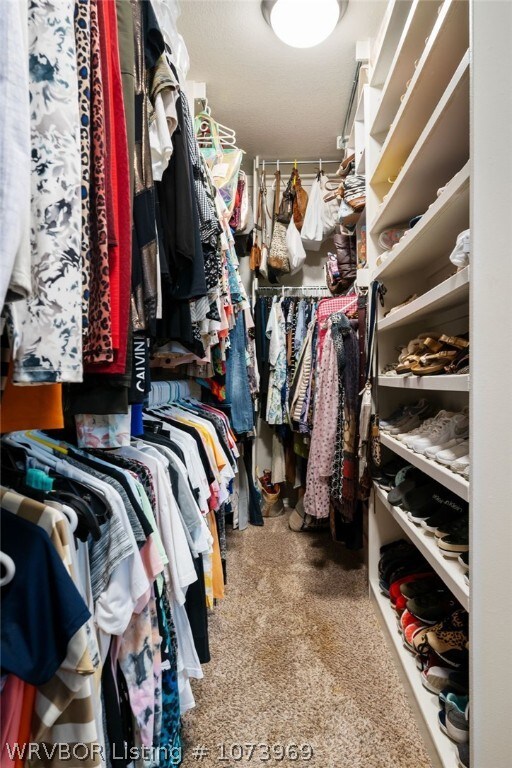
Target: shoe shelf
442,383
448,569
427,702
442,54
441,224
453,292
441,151
410,46
437,472
387,41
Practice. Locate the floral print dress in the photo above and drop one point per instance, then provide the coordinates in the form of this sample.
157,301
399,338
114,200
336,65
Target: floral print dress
47,327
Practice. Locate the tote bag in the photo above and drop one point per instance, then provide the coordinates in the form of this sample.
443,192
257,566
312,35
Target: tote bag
223,162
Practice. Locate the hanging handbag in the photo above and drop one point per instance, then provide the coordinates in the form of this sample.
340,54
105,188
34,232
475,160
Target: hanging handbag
355,191
285,207
300,201
278,254
255,258
369,431
296,252
346,256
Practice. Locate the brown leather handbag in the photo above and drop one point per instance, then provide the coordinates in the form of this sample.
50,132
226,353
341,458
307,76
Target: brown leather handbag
300,202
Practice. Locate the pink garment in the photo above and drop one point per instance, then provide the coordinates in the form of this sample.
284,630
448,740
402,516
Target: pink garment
12,703
323,438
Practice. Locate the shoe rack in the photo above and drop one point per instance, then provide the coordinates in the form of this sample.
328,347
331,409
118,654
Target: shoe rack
430,148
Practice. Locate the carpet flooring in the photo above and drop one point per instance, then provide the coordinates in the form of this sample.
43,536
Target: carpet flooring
298,657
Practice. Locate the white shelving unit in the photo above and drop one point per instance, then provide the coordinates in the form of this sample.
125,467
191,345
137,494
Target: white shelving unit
427,703
450,293
448,569
441,224
421,17
436,471
447,135
445,383
417,160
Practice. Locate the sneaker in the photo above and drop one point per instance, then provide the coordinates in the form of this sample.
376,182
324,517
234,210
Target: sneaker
403,413
412,417
432,452
411,632
429,425
404,436
436,678
421,586
443,431
465,474
392,418
451,455
464,560
456,542
460,464
463,755
406,425
395,588
440,519
457,723
405,620
432,607
448,639
460,700
451,526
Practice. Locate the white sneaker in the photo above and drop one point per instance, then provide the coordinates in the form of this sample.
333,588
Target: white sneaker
465,474
427,426
405,436
444,430
461,464
452,454
431,453
404,427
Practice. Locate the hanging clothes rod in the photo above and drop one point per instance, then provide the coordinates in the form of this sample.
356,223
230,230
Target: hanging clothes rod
318,161
296,288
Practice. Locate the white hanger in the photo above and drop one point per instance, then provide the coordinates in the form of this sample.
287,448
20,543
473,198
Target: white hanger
10,569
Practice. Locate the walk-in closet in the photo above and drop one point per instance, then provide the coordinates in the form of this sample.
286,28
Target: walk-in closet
255,306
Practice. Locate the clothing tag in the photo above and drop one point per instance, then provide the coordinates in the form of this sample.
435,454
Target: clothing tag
220,170
165,665
153,426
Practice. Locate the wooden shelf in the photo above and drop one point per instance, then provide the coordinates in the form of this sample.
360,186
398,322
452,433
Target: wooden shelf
428,703
448,569
410,47
441,150
443,221
443,52
385,45
452,292
445,383
437,472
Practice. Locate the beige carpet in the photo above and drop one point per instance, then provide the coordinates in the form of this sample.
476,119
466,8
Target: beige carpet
298,657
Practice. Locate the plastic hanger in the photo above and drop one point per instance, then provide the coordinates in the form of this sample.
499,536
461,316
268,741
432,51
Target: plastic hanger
7,563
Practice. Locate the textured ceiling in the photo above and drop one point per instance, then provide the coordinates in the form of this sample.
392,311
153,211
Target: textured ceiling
282,102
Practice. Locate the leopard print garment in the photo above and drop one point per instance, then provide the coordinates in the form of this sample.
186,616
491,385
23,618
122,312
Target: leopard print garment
98,342
83,60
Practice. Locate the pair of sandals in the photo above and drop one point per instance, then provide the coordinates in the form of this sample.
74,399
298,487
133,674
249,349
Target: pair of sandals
433,353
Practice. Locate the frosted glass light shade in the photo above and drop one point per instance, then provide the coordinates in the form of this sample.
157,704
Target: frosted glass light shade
304,23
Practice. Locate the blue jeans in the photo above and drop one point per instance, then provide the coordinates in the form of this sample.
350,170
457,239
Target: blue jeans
238,393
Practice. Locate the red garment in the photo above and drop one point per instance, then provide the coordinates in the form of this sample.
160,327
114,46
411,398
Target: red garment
119,204
12,706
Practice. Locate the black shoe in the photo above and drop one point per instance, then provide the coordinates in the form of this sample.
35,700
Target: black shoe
441,519
433,606
414,589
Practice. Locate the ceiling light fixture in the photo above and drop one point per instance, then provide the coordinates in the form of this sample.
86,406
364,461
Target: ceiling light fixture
303,23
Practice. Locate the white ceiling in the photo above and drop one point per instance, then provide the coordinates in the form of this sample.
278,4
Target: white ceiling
283,102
